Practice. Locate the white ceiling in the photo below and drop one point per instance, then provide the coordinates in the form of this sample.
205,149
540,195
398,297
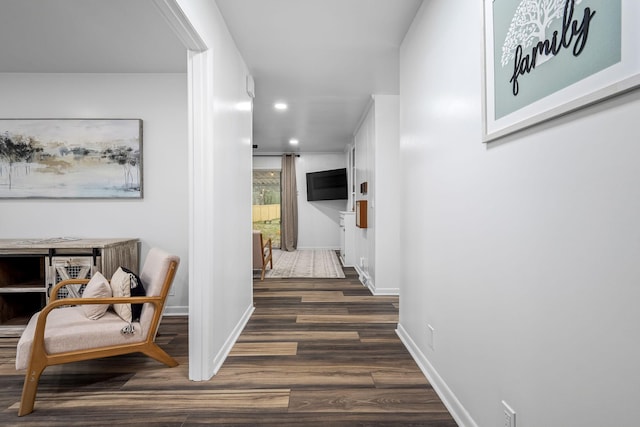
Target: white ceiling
87,36
323,57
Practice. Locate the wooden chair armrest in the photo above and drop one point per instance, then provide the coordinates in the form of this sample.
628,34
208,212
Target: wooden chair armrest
267,257
53,293
267,243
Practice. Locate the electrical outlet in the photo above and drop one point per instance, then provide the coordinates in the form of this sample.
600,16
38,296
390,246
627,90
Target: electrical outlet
509,415
430,333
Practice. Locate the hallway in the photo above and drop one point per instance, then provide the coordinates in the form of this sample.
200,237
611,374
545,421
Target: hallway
315,352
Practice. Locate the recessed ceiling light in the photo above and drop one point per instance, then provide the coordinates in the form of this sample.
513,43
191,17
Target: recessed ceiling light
280,106
293,141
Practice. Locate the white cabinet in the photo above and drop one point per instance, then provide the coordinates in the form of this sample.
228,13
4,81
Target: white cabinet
347,238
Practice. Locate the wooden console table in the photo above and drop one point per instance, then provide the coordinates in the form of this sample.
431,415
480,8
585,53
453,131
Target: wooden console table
30,267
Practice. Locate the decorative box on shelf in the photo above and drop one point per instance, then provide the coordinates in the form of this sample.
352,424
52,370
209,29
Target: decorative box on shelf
361,213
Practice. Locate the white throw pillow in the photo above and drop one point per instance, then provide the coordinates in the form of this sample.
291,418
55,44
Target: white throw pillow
121,287
98,287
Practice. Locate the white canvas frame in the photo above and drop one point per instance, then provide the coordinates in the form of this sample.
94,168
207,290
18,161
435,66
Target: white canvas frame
71,158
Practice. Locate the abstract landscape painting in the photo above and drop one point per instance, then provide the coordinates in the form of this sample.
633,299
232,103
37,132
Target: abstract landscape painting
70,158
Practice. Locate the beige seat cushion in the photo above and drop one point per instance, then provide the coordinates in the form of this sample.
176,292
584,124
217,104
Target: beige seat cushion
68,329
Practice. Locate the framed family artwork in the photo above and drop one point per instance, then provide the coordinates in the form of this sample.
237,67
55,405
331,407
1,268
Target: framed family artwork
547,58
70,158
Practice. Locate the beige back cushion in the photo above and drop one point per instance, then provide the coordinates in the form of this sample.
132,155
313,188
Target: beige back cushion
152,275
257,250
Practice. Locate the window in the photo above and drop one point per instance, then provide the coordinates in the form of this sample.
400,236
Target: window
266,204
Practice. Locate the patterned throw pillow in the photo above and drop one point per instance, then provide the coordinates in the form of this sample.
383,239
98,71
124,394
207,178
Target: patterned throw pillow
98,287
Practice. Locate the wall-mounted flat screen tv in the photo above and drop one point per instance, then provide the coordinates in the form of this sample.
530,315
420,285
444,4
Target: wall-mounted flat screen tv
327,185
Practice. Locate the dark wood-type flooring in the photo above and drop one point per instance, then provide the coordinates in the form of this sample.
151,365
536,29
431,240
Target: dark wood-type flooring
316,352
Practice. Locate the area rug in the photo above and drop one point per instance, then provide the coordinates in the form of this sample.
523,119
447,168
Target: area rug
306,263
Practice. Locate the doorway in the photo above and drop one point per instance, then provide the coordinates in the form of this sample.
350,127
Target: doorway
266,204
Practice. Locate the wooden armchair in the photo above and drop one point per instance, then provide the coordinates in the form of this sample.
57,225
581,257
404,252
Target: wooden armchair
262,254
62,333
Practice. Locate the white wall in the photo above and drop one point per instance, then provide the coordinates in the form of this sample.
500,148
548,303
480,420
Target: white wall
385,206
160,218
221,288
267,162
377,163
318,222
522,254
364,141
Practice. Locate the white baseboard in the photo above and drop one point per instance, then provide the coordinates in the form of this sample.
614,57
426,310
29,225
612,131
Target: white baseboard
458,412
366,280
219,359
380,291
176,310
311,248
362,276
384,291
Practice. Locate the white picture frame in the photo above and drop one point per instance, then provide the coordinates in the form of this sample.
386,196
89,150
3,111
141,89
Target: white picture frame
614,79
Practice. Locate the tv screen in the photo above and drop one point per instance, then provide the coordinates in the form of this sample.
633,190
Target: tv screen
327,185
